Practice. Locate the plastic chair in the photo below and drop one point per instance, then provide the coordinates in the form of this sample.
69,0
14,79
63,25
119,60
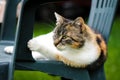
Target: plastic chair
98,19
7,38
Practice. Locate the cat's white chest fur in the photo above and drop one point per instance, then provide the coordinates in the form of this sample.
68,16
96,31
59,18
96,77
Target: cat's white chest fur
84,56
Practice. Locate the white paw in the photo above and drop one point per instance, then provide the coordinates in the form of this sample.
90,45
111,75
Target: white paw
33,45
38,56
8,49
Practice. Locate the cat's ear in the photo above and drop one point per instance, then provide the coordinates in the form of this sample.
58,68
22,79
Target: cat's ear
80,22
59,19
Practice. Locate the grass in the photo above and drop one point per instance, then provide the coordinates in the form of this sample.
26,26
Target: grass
112,65
33,75
42,28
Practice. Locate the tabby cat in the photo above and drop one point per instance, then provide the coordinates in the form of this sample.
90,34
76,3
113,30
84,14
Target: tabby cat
72,41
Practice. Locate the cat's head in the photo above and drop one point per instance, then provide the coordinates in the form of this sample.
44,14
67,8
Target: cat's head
69,32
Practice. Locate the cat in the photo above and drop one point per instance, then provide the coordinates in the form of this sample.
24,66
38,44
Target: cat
72,42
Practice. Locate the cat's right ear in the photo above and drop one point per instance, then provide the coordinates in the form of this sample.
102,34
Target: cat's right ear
59,19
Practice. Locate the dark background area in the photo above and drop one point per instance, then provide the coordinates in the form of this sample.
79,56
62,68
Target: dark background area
69,9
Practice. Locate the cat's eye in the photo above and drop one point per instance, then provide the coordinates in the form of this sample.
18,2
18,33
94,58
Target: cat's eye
69,41
64,37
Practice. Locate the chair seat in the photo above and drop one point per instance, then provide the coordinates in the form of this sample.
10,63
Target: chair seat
3,56
5,60
54,67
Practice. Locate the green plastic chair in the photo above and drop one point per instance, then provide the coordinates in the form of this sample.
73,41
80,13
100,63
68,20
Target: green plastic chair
7,37
100,18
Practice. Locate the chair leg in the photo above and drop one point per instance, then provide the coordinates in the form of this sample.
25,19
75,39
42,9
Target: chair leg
4,70
98,74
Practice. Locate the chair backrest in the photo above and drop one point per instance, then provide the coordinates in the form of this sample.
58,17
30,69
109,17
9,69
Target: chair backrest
9,22
101,16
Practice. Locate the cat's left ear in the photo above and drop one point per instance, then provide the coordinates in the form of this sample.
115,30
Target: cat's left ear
80,22
59,19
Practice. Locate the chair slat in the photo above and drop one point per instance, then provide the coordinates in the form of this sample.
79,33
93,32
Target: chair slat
100,3
104,3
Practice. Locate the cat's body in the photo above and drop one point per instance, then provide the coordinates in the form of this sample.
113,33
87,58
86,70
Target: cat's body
72,42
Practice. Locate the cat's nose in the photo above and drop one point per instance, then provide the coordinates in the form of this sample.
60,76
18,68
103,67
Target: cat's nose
68,41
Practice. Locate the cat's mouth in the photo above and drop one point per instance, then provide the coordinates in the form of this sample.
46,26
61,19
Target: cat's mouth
59,45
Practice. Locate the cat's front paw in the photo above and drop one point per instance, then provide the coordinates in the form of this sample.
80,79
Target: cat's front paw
33,45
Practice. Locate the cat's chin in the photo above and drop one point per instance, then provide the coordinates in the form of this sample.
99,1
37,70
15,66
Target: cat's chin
61,48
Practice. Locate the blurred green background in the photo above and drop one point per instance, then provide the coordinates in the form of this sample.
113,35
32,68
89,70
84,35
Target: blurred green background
112,66
45,23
